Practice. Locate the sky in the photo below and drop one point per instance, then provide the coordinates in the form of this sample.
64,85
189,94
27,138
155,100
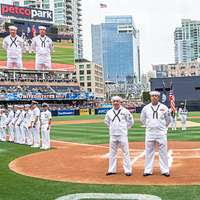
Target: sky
155,19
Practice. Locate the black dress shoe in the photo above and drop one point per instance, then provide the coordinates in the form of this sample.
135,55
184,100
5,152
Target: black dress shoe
110,173
166,174
128,174
147,174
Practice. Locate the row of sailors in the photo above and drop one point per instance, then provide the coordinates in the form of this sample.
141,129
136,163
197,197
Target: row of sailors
24,123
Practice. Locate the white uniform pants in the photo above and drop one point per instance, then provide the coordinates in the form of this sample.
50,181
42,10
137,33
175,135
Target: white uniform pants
183,119
2,134
173,123
45,137
17,134
42,62
28,135
22,136
15,63
11,131
150,145
115,143
36,135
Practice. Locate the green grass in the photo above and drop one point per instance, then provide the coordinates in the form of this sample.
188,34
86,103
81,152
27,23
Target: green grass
60,55
17,187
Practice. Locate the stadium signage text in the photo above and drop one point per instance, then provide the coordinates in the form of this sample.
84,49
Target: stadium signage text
25,12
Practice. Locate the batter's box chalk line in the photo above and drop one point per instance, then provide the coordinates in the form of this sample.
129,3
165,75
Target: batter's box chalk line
101,196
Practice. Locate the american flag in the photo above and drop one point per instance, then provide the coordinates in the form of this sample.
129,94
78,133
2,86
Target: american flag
103,5
172,98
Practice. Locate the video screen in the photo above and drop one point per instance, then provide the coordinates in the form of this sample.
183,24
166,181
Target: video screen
40,43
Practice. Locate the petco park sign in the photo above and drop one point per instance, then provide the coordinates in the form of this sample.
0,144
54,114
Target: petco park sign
27,13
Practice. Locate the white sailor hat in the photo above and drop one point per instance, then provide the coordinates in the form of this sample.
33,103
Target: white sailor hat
20,106
45,105
10,106
34,102
116,98
154,93
12,28
27,105
42,27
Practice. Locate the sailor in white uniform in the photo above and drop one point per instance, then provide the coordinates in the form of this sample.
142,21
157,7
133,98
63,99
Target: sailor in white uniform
11,128
42,45
35,124
119,120
182,113
45,119
27,124
18,126
14,123
173,120
156,118
14,45
3,119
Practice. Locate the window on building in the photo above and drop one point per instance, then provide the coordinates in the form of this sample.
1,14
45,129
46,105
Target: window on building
89,84
81,66
82,78
82,84
81,72
88,66
88,71
89,90
89,78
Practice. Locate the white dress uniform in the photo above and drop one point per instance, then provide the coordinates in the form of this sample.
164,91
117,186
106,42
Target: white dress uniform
173,121
28,118
36,127
3,120
182,113
156,119
11,128
119,121
43,47
19,129
14,48
45,118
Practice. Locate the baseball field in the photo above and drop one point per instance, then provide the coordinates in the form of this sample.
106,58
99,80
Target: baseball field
77,163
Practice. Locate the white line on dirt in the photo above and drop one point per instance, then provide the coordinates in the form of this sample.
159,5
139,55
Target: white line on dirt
137,158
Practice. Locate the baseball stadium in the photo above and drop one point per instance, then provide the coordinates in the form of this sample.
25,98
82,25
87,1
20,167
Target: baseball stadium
75,166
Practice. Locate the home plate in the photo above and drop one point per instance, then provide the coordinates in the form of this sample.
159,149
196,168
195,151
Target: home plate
109,196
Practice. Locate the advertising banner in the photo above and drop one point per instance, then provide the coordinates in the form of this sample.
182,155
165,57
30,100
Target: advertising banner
26,13
102,111
68,112
39,96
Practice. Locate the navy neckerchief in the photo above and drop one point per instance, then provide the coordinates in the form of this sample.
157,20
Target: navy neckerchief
116,115
13,41
43,42
155,112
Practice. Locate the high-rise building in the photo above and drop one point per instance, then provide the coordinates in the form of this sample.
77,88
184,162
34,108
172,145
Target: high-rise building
187,41
67,14
90,76
115,46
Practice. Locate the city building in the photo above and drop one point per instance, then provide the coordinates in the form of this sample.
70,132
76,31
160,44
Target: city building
67,15
90,76
187,40
115,46
177,70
